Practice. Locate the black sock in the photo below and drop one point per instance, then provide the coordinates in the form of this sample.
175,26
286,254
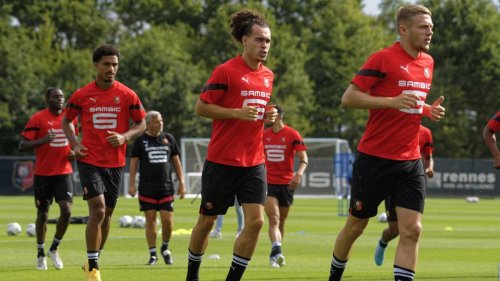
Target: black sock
337,269
382,243
194,262
275,250
238,266
403,274
55,244
152,251
92,258
164,246
41,250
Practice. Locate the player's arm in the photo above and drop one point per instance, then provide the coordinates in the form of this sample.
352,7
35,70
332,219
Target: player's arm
491,142
297,177
26,144
180,175
435,112
214,111
134,163
354,97
79,150
117,139
428,164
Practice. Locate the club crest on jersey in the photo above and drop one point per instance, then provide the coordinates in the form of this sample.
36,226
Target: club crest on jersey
266,83
117,100
283,139
426,72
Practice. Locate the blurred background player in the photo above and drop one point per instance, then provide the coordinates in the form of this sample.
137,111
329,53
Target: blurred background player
104,107
155,152
53,170
426,149
281,144
492,127
217,232
393,84
235,97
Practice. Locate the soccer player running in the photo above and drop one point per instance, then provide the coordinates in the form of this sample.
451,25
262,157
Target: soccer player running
155,152
490,139
105,107
53,171
235,97
281,144
426,148
393,84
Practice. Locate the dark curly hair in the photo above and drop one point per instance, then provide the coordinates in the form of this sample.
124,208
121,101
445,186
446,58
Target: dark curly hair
50,90
105,50
241,23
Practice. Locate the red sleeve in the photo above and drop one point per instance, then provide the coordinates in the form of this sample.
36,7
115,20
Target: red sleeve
31,129
425,141
494,123
72,107
137,112
371,73
298,143
216,86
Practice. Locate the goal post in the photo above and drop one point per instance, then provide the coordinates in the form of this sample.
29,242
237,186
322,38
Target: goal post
328,171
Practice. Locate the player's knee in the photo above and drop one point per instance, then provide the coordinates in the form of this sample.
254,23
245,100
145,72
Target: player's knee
254,225
356,230
411,233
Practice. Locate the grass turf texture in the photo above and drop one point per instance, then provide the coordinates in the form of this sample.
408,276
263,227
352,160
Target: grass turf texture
460,241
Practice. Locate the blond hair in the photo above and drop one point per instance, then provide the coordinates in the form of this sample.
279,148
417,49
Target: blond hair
407,12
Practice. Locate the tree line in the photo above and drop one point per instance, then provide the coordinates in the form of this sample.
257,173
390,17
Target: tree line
170,47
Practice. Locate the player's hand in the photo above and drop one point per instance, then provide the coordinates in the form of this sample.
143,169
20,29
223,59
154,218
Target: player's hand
80,151
271,114
405,101
71,155
429,172
497,161
50,136
295,182
436,112
182,190
131,190
116,139
248,113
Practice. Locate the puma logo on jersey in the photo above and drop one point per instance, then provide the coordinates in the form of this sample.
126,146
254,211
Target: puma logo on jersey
405,68
246,79
50,123
93,99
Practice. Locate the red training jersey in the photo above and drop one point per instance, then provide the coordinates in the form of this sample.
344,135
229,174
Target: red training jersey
280,150
101,111
494,123
425,141
233,84
393,133
52,157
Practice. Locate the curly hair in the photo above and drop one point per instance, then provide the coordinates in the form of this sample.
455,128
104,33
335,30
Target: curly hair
241,23
105,50
50,90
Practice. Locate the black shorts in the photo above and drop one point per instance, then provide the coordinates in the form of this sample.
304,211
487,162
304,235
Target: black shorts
221,183
390,208
282,192
98,180
156,202
59,187
374,179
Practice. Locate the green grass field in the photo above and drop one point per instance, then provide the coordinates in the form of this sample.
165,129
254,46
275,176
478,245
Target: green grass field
461,241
